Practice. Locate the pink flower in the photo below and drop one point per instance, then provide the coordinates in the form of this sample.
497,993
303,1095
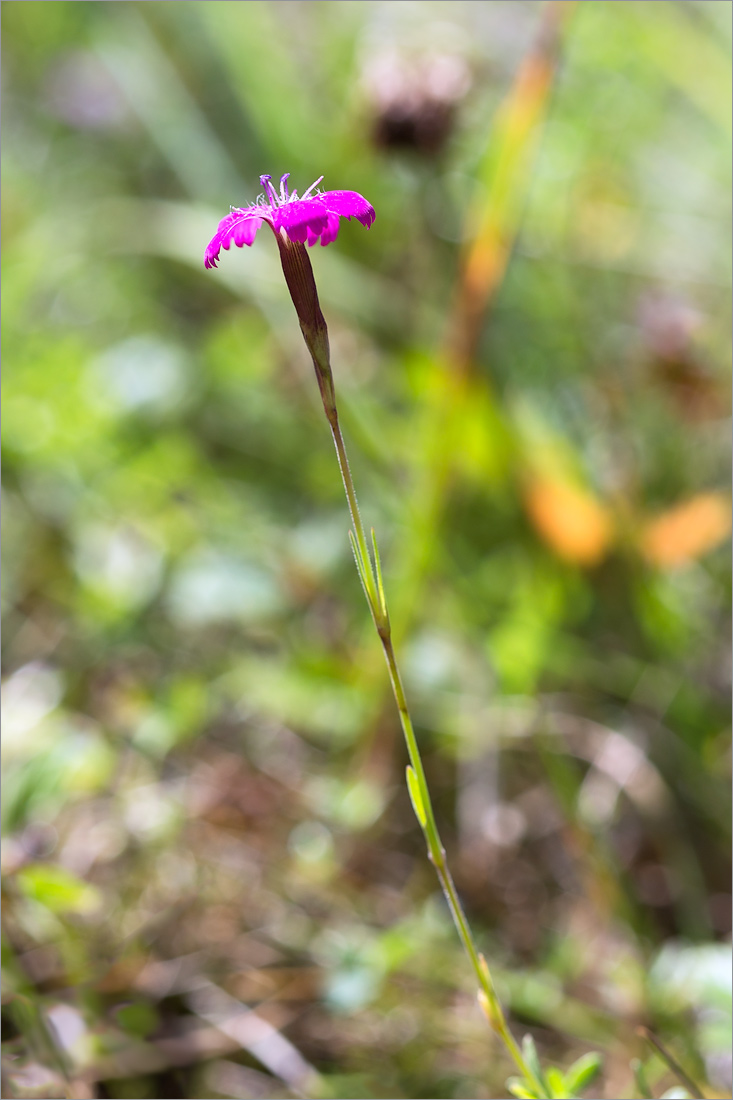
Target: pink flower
303,218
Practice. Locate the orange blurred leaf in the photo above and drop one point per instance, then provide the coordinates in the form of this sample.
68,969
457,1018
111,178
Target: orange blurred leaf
687,531
569,519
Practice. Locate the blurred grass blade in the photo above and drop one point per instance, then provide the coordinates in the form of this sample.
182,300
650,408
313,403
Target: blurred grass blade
583,1072
690,55
521,1088
672,1062
256,1035
643,1088
163,104
506,173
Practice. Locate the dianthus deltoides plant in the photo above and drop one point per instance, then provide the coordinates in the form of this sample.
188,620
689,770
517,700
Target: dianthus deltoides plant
296,220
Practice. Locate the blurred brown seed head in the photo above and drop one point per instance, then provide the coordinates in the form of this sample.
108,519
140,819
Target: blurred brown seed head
669,328
414,100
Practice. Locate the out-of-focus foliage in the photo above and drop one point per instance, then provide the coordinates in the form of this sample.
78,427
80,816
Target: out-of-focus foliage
214,884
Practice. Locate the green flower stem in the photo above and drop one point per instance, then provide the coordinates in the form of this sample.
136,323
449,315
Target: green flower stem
361,542
436,851
301,284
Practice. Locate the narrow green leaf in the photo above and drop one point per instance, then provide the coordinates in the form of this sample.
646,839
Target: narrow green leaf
558,1089
532,1061
643,1087
380,582
582,1072
521,1088
360,568
413,787
57,889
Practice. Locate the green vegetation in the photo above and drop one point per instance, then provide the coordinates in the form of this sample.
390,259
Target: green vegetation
214,883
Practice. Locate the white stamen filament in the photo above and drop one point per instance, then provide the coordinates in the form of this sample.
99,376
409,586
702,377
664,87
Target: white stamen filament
307,193
271,197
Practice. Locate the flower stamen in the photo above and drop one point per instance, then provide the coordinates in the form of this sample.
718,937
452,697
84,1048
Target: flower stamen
307,193
272,194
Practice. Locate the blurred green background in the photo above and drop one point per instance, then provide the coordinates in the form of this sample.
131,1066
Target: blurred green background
214,884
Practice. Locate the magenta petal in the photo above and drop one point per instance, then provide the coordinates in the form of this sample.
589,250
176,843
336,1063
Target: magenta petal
299,232
331,232
239,227
350,204
300,216
310,219
244,232
213,248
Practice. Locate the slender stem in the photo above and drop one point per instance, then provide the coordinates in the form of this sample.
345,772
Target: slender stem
351,497
436,851
301,284
692,1088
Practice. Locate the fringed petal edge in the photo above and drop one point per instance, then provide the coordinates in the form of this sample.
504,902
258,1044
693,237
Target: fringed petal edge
350,204
239,227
